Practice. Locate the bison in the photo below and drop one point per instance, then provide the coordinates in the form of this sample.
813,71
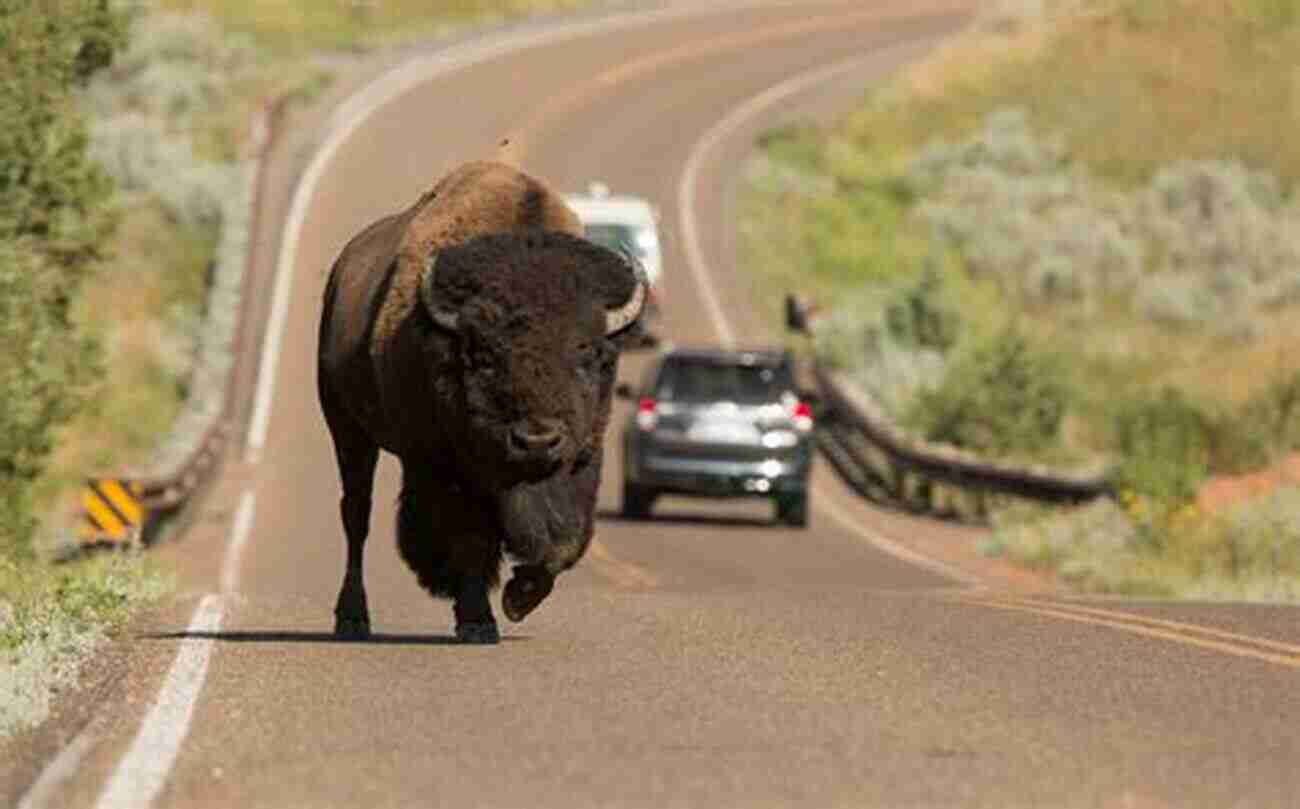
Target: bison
475,336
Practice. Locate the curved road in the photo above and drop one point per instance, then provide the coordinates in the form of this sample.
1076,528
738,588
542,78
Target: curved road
703,659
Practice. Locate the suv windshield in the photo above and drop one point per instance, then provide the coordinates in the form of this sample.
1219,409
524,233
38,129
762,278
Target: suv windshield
692,380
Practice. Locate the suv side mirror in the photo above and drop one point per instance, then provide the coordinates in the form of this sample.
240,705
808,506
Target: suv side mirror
624,391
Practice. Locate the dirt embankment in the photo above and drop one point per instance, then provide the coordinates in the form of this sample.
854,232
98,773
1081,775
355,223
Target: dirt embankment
1224,491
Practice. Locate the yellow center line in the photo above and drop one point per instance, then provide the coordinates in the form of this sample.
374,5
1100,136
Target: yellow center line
1153,628
624,574
1177,626
610,78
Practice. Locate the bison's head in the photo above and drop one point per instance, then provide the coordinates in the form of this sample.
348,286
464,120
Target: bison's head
525,338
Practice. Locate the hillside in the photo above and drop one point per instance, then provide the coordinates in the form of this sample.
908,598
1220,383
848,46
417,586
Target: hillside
1071,234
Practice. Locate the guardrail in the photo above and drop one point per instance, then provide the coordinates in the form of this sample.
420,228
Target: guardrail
125,508
882,461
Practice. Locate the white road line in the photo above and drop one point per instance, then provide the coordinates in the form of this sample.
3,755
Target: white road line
358,109
240,530
738,117
60,770
143,771
686,199
839,515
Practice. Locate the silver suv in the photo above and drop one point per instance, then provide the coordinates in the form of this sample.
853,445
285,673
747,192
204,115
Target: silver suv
719,423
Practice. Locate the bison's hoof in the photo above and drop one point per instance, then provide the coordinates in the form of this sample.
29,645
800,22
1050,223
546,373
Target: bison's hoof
351,628
477,633
524,592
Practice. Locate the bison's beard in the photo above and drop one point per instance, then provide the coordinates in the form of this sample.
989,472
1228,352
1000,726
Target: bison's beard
551,522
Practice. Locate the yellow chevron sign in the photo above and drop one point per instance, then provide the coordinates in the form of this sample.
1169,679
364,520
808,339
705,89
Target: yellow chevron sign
111,510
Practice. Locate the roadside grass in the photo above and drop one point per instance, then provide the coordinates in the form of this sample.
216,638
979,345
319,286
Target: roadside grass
1135,85
53,618
1115,181
1138,547
287,28
142,309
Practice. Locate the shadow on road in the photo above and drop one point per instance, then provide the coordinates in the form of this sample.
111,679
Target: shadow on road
287,636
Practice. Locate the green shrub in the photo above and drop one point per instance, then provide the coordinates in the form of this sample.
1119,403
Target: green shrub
1163,441
920,314
54,219
42,361
1000,395
893,337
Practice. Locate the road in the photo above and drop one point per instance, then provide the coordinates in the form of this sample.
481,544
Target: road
707,658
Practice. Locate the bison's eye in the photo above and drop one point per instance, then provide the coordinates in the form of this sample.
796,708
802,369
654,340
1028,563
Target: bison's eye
583,459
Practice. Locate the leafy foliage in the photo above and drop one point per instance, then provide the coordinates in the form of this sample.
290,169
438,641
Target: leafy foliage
54,217
894,337
1164,441
999,396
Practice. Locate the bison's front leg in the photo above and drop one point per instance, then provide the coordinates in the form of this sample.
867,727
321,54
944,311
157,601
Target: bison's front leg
445,534
548,527
527,588
474,620
473,566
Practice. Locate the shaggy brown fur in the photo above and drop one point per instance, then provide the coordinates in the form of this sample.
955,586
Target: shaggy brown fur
499,423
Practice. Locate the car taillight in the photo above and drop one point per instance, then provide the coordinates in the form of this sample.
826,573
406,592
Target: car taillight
802,416
646,415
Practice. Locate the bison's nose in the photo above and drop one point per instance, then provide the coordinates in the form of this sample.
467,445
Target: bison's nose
536,439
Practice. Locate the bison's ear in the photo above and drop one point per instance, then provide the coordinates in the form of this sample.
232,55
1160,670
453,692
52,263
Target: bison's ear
444,318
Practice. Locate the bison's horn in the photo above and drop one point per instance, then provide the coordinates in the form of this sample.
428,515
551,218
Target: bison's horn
447,320
618,319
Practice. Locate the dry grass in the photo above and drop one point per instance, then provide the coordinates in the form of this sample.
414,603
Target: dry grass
1135,88
288,27
139,308
1247,551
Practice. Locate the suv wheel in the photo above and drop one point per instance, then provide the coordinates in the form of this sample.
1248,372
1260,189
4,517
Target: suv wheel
637,501
793,510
